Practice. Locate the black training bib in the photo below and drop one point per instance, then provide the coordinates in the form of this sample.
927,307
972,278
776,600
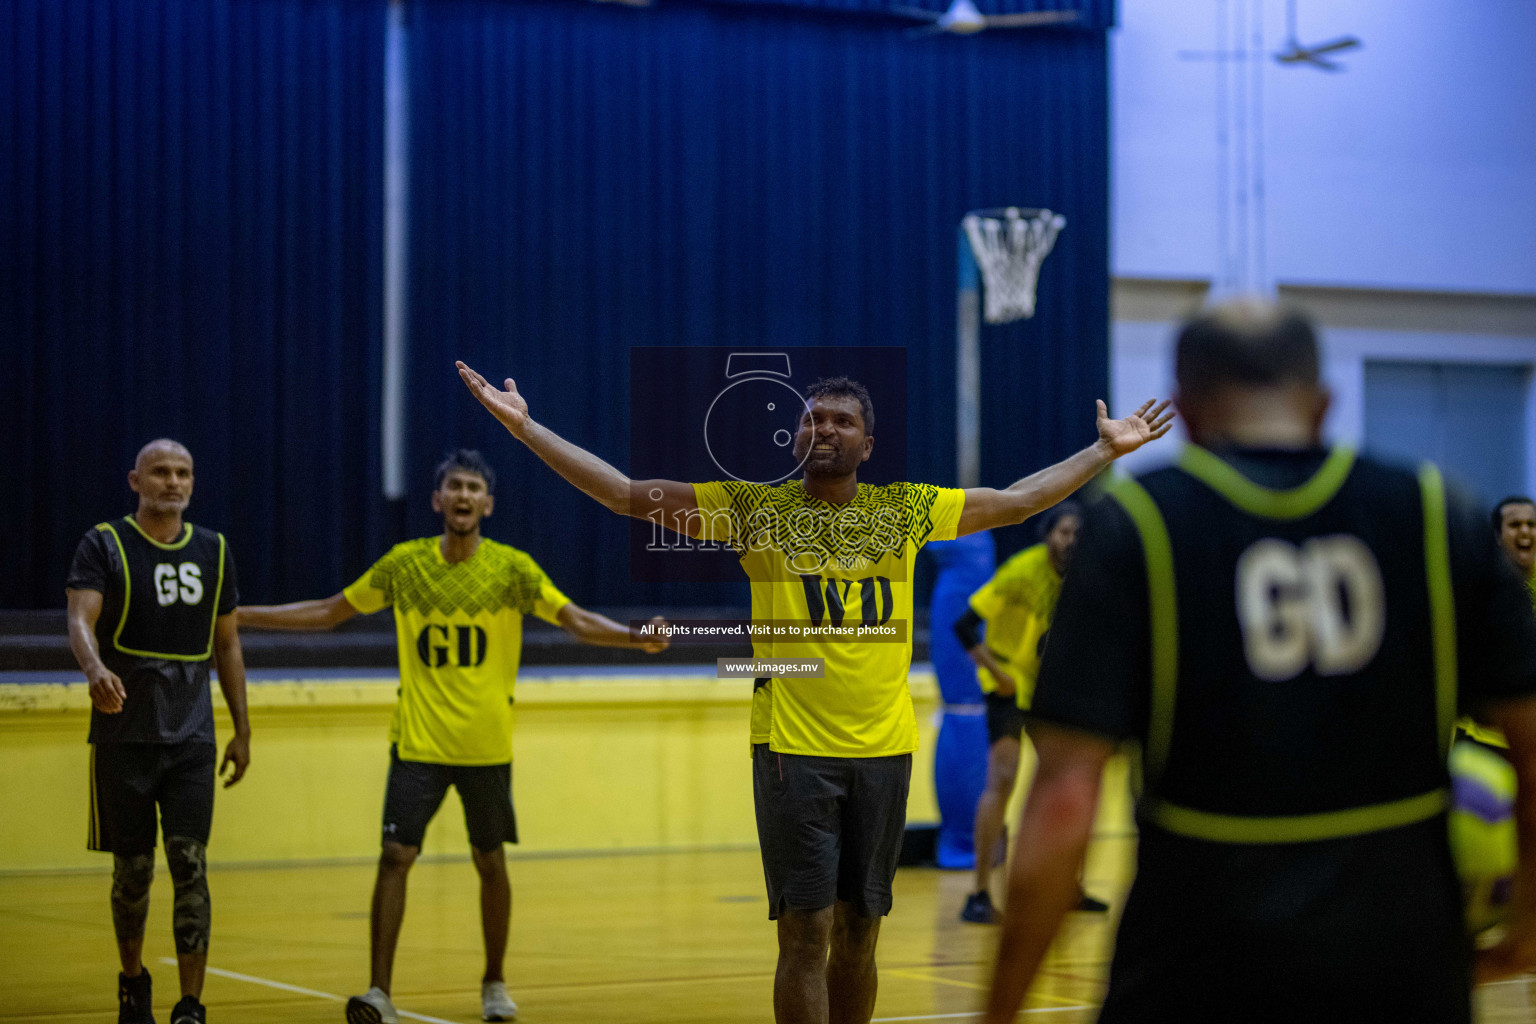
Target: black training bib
1304,663
170,591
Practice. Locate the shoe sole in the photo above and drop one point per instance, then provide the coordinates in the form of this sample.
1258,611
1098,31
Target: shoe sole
499,1017
360,1011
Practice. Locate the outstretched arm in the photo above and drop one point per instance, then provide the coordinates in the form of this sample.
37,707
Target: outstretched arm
300,615
666,501
591,628
986,507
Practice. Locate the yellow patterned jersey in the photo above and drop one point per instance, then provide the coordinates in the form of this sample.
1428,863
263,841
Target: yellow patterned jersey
815,566
459,631
1017,604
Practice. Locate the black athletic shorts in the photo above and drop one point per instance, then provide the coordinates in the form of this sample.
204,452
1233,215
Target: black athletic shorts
128,781
830,828
1005,719
416,790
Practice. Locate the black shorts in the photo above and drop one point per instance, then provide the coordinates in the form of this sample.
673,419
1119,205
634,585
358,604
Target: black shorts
128,781
830,828
1005,719
416,790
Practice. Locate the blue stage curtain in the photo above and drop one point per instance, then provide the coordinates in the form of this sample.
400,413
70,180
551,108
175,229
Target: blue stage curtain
190,246
589,177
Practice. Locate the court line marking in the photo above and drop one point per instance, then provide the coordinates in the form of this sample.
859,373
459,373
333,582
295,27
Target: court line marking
959,1016
285,987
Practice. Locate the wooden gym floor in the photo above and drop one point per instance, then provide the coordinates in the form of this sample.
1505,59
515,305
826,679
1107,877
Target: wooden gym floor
636,939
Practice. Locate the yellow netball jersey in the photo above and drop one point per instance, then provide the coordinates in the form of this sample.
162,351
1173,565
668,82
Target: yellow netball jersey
814,564
459,630
1017,604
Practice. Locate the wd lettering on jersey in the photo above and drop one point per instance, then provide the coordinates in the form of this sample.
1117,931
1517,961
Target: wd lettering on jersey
466,645
828,599
1321,604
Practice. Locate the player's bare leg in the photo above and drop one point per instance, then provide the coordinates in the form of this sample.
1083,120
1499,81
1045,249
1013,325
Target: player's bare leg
1002,772
851,976
495,908
388,910
800,982
192,967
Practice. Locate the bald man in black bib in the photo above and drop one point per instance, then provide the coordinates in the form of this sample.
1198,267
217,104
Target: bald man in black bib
151,607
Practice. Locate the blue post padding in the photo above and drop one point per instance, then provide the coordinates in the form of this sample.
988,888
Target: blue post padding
960,754
964,566
959,776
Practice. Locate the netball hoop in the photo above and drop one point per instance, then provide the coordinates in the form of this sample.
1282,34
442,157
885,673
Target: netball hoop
1002,249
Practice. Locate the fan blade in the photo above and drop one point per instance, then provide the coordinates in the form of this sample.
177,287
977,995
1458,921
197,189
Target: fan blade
1318,62
1336,46
1033,19
916,13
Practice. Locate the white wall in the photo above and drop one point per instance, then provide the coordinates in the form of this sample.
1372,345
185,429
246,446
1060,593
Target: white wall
1142,366
1415,168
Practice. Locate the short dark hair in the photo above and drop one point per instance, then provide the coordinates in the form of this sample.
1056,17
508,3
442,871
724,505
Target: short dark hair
1498,510
1246,342
1055,514
846,387
470,461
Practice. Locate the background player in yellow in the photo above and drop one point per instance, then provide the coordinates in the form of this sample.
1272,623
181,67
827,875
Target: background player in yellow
831,755
151,604
459,601
1016,605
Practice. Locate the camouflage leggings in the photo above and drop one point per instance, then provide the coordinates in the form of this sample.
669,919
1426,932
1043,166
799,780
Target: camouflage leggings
192,913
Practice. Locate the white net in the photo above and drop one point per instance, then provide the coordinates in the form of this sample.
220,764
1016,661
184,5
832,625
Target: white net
1009,246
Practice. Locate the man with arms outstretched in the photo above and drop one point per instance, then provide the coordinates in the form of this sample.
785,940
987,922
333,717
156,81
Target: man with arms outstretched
459,601
831,755
151,603
1287,630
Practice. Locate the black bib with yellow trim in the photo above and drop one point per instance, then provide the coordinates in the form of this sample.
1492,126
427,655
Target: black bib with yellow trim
1303,650
170,591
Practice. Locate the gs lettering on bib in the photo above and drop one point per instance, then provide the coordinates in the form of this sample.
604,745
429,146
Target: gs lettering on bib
170,591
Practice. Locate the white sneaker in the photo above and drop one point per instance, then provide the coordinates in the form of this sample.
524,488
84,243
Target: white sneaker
372,1007
495,1004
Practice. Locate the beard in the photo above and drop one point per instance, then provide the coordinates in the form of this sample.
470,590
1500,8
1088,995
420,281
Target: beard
829,465
165,506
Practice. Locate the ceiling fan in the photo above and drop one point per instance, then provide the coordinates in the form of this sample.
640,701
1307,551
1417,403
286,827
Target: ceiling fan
962,18
1296,53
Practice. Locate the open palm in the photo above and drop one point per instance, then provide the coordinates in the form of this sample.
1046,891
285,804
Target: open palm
507,406
1147,423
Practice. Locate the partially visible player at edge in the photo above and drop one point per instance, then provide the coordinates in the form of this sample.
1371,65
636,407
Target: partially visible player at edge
1016,605
1514,523
150,604
831,756
1295,627
459,601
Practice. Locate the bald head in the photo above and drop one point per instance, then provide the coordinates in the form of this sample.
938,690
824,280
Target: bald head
1246,343
162,478
1248,375
159,446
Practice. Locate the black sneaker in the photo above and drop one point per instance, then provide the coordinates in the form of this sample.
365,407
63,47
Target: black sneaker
189,1011
1090,904
978,909
133,999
